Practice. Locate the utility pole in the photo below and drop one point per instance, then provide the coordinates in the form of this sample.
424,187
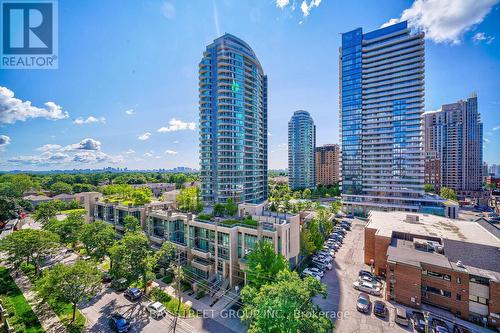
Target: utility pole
178,277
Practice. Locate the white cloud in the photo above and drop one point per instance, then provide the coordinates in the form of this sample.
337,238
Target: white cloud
89,120
486,140
177,125
282,3
87,151
306,8
130,112
144,136
130,151
481,36
148,154
48,147
170,152
13,109
269,134
4,141
176,141
85,144
168,10
496,128
445,21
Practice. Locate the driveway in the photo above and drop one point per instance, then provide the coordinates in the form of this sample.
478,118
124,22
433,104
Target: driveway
340,304
99,309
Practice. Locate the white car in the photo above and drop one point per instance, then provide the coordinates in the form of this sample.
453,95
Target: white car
310,273
156,310
367,287
316,271
369,279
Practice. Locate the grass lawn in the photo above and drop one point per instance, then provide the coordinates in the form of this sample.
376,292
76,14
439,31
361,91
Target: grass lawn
65,312
21,316
69,211
172,303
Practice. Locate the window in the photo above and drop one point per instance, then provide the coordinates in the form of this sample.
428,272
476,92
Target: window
477,299
459,280
479,279
437,275
459,297
436,291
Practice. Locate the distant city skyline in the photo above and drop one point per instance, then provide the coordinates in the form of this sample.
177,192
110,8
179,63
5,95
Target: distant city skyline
129,97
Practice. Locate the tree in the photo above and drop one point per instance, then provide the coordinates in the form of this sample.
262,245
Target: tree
10,208
61,187
188,200
77,188
307,246
317,236
230,207
335,207
306,194
429,188
97,237
284,305
45,211
448,193
323,216
30,246
166,254
15,185
132,258
131,223
141,196
264,263
68,229
219,209
70,283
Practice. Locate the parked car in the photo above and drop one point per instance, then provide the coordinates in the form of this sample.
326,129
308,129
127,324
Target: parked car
346,222
340,230
322,265
156,310
400,316
317,271
363,303
367,287
370,279
133,294
365,273
379,309
346,226
306,272
118,323
349,216
418,321
439,326
460,329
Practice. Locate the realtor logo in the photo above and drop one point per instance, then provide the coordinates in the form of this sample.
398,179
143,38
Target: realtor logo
29,34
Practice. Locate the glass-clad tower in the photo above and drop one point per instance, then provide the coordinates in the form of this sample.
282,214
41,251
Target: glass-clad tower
301,145
233,123
381,105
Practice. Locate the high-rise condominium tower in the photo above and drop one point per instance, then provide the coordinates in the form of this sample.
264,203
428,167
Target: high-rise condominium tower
301,144
327,164
381,106
233,123
454,142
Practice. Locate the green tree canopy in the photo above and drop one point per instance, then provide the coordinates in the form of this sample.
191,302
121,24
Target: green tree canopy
264,263
429,188
188,200
97,237
30,246
15,185
131,223
61,187
67,229
230,207
448,193
284,305
70,283
12,207
45,211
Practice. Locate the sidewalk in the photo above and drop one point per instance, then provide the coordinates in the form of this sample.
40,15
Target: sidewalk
49,320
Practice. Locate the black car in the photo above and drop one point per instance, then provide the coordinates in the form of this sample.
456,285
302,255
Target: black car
461,329
379,309
346,226
365,273
418,321
133,293
439,326
119,324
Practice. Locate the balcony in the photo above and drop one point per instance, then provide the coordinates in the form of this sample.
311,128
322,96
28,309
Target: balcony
202,265
199,253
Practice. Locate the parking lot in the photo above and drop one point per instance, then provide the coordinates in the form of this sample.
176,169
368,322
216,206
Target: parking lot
340,303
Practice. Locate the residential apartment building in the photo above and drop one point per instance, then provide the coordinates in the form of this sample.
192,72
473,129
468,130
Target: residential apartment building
450,264
381,106
454,138
233,123
301,144
157,188
327,164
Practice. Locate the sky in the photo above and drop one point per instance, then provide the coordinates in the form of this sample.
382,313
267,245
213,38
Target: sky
126,90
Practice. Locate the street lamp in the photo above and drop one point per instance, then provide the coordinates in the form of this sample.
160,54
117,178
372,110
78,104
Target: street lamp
426,317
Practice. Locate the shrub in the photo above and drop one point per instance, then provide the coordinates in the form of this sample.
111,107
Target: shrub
156,294
168,278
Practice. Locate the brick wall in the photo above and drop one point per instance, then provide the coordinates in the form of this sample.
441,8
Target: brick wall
494,306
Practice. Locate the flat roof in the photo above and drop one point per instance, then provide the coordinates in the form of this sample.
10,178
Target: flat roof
431,225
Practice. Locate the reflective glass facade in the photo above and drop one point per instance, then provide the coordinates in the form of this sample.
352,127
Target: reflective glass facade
233,123
381,106
301,145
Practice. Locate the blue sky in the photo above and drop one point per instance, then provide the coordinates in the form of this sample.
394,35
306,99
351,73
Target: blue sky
127,69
